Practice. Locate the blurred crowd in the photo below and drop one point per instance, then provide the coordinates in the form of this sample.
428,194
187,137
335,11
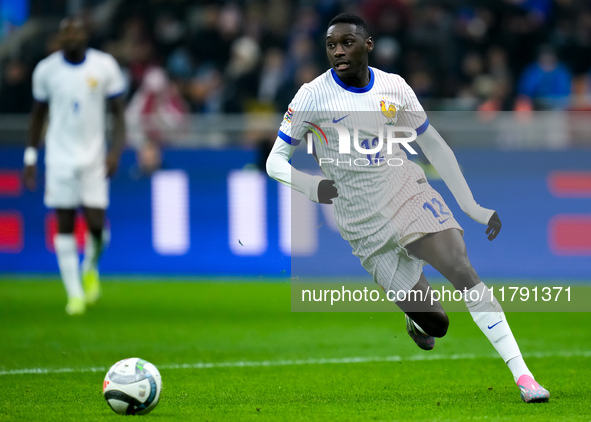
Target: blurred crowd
251,56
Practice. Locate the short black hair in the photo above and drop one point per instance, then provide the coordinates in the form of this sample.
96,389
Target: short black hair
73,19
353,19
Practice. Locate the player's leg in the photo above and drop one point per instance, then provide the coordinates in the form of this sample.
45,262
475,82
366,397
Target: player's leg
96,238
425,319
401,277
95,200
446,252
66,251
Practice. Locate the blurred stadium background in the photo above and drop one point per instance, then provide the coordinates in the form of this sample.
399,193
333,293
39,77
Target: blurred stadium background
506,82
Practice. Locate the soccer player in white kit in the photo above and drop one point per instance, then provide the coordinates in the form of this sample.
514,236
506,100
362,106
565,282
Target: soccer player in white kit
73,85
393,219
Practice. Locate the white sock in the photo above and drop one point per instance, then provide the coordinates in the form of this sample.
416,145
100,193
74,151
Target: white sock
518,367
93,249
490,318
67,259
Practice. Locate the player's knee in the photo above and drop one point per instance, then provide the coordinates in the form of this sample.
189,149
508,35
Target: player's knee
462,274
65,227
95,226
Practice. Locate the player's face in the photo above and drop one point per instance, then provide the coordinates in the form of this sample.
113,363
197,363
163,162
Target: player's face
347,51
73,36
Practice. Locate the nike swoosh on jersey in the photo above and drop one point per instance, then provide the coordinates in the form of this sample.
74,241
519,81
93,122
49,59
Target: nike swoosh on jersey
497,323
336,121
441,222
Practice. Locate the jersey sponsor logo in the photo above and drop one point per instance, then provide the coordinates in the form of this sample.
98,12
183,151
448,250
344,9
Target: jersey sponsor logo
338,120
389,110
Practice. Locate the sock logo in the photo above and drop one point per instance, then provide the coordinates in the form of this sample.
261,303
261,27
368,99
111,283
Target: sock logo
490,327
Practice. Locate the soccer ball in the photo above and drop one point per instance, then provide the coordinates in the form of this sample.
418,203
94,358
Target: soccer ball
132,387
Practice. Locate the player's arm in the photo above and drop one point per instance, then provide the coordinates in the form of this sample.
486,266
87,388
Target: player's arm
443,159
317,188
38,115
117,107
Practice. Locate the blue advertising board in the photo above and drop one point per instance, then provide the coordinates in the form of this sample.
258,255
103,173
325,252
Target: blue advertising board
210,213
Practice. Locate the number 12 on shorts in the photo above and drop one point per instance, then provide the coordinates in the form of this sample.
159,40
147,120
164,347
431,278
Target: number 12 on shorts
440,214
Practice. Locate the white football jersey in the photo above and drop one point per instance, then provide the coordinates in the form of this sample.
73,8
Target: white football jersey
368,184
76,94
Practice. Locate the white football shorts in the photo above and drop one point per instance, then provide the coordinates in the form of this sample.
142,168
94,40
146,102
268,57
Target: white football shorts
383,254
67,187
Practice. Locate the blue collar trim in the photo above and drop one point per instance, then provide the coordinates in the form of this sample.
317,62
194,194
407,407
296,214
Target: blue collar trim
74,63
352,88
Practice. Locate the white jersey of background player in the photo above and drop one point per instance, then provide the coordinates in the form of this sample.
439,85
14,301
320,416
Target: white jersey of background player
390,215
76,133
74,85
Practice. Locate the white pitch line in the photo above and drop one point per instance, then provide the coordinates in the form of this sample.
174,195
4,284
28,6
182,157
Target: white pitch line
295,362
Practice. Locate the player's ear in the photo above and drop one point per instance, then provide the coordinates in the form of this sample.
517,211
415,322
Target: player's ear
369,44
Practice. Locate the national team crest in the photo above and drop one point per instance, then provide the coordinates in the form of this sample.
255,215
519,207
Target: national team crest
91,82
388,110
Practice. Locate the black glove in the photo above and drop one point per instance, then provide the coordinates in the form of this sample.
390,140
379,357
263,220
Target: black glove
494,226
327,191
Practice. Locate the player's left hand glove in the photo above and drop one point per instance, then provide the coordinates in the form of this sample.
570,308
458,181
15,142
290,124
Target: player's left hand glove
494,226
327,191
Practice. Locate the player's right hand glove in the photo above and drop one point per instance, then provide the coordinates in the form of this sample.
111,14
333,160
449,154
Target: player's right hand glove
327,191
494,226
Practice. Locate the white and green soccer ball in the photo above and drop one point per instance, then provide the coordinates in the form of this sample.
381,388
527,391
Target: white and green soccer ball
132,387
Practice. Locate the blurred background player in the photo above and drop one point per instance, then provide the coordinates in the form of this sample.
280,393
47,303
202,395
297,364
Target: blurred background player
156,114
393,219
73,86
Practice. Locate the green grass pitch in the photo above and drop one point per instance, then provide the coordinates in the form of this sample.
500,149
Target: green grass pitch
233,351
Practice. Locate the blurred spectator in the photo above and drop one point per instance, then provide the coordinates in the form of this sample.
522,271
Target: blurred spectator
241,75
243,55
422,84
301,50
305,73
546,82
472,68
134,49
168,33
386,54
15,91
180,63
206,90
272,76
386,17
218,28
155,115
498,98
